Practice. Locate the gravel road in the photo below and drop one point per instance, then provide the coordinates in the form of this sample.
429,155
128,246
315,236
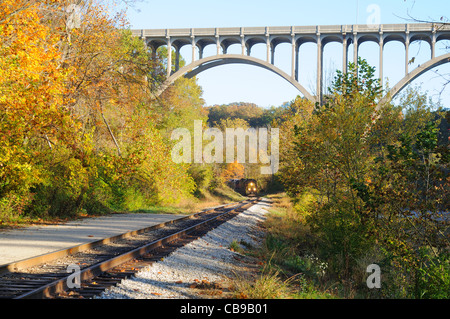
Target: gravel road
207,263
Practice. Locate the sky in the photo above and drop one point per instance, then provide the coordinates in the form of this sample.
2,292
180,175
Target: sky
244,83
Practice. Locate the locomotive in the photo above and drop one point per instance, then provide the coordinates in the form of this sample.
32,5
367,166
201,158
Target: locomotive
244,186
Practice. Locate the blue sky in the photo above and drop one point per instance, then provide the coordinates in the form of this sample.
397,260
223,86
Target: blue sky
242,83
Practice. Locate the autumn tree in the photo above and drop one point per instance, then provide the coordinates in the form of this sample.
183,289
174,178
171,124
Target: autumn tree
233,170
35,117
408,194
79,120
378,177
116,75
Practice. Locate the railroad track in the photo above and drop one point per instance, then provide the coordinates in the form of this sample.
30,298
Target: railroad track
106,262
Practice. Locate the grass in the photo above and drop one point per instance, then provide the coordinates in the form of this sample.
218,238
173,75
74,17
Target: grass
290,264
288,269
162,210
266,286
207,199
235,246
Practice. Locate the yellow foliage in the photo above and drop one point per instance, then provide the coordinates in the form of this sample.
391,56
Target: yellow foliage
233,170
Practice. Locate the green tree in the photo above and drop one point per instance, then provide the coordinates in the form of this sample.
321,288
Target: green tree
380,178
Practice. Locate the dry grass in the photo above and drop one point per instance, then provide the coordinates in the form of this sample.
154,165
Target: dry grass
287,221
287,235
267,285
209,199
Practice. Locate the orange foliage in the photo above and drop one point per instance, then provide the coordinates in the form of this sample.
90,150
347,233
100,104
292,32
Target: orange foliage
233,170
32,89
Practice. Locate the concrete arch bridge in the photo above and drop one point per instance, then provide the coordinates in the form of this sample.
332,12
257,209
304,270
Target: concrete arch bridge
247,37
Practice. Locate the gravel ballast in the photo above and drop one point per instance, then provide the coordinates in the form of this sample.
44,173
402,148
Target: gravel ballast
206,261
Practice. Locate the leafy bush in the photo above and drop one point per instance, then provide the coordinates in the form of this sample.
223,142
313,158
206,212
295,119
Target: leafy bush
380,179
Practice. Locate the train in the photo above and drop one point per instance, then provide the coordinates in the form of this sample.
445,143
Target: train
244,186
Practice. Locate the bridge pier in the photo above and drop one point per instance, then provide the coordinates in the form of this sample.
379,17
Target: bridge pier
297,61
433,43
355,49
319,69
380,69
177,59
407,54
169,57
293,57
344,53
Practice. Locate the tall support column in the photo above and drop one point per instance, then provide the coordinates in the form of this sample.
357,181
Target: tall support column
142,38
153,49
272,55
218,44
433,43
381,43
268,48
242,44
293,57
319,68
217,41
177,59
193,48
297,52
169,56
344,53
407,54
355,49
433,48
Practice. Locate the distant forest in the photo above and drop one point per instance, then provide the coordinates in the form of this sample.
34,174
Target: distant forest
254,115
257,116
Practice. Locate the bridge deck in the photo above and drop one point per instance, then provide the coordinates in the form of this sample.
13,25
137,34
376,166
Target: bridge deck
288,30
247,37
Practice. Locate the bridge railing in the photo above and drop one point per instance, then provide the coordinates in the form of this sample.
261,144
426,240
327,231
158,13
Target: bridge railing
287,30
201,32
279,30
254,30
229,31
198,38
305,29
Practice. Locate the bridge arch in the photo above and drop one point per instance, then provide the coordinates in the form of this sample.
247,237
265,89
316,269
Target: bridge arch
414,75
204,64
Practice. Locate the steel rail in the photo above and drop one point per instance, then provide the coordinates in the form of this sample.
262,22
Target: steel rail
34,261
60,285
